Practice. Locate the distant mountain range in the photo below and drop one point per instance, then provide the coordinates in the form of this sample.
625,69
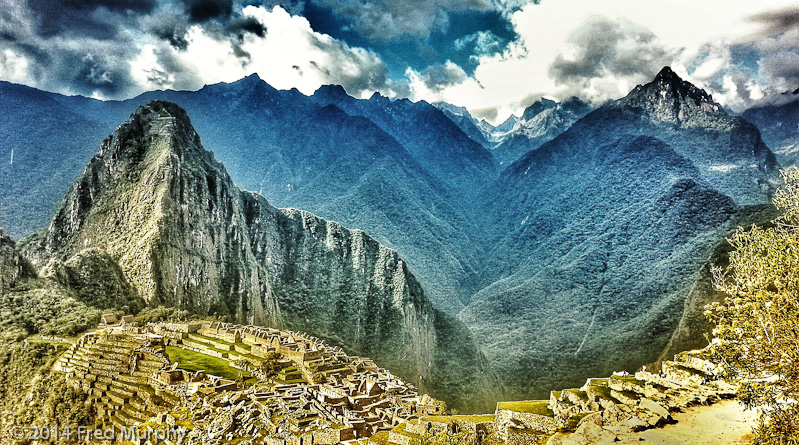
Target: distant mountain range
568,244
779,125
540,123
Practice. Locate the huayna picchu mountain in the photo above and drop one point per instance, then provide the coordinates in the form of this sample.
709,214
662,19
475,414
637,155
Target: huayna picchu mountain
186,236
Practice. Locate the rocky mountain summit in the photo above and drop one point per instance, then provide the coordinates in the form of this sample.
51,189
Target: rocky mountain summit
668,98
185,236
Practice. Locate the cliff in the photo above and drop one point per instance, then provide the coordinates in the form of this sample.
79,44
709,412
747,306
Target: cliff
13,267
184,235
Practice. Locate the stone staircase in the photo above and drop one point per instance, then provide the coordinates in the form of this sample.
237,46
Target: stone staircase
620,403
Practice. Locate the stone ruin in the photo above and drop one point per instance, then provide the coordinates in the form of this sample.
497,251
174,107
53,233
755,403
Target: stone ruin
322,396
319,396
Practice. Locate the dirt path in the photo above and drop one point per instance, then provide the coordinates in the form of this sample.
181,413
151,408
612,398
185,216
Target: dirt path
724,422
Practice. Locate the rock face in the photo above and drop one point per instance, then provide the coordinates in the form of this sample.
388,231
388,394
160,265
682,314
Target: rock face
185,236
13,267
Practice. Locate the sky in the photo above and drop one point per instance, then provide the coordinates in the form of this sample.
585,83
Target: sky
494,57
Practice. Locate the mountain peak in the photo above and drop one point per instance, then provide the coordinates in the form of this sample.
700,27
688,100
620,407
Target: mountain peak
154,126
669,98
667,74
332,92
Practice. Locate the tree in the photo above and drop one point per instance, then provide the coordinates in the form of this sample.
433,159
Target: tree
757,324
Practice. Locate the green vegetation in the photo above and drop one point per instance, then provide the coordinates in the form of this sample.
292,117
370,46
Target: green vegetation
756,323
42,307
195,361
30,394
473,418
540,407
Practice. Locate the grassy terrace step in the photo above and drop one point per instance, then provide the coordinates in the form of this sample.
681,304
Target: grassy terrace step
657,381
599,392
540,407
122,391
110,403
575,396
195,361
213,342
125,385
626,397
477,418
132,379
134,414
117,397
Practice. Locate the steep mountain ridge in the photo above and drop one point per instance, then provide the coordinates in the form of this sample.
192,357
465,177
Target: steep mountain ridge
779,125
186,236
581,216
13,266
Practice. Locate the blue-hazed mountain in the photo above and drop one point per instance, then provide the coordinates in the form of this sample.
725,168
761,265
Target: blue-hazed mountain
40,155
614,217
185,236
779,125
351,167
540,123
470,126
602,231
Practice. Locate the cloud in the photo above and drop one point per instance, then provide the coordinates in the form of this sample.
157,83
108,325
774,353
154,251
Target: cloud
742,52
605,57
777,22
480,43
203,10
281,48
438,77
13,67
99,18
387,20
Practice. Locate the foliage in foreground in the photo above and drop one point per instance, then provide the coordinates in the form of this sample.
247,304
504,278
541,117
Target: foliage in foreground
32,395
756,325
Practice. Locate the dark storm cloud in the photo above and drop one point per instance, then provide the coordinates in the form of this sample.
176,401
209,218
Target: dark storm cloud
778,22
203,10
778,48
240,26
783,67
605,46
99,18
171,27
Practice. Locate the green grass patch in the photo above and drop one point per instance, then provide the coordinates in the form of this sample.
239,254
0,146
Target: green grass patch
380,438
474,418
539,407
195,361
580,394
629,379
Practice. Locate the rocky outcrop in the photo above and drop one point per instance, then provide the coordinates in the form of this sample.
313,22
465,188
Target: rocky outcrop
184,235
13,267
